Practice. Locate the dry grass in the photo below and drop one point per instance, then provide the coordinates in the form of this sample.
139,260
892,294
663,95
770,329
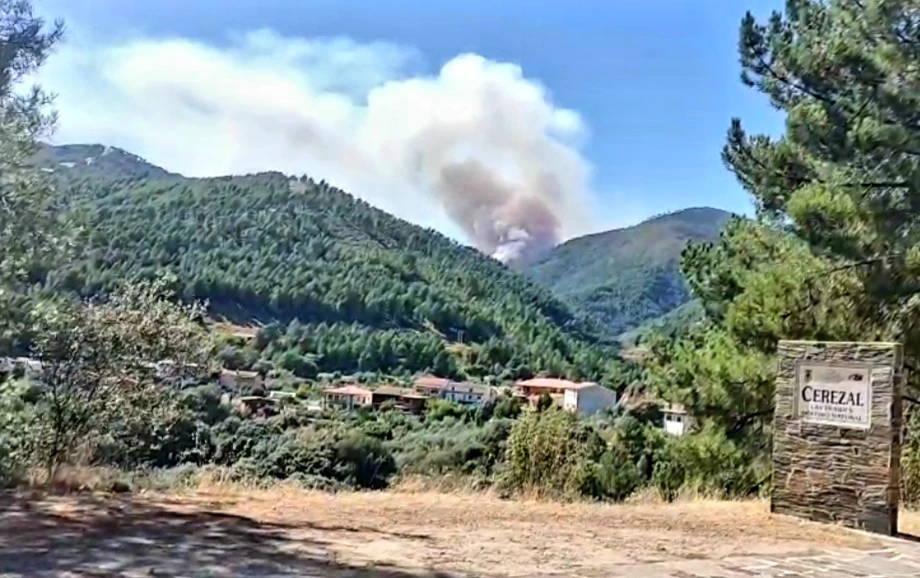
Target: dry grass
453,526
473,532
909,522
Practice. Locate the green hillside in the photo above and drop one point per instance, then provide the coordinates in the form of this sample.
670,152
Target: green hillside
679,318
340,285
625,277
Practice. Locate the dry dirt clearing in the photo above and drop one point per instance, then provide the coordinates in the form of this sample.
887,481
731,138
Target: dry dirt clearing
285,532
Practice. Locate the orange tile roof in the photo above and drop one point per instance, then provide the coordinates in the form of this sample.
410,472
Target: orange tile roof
431,381
551,382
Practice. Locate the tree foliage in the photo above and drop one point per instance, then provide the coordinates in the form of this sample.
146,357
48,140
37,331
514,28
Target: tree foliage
98,378
95,379
28,231
831,253
844,177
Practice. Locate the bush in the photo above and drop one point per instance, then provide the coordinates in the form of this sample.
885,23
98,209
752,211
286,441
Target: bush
507,408
668,475
154,440
614,477
910,458
642,442
713,464
441,409
363,462
452,447
551,451
15,420
327,456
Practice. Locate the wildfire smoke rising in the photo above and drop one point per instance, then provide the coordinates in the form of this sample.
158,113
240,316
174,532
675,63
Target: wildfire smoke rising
477,142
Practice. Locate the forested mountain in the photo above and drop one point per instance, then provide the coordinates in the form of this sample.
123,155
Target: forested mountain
341,285
625,277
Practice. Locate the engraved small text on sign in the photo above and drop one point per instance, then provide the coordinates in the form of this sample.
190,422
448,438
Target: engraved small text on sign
834,395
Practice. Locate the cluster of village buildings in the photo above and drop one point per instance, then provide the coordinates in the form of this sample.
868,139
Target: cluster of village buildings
586,398
582,398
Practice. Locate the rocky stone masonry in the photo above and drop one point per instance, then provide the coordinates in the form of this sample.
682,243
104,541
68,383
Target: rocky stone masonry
832,474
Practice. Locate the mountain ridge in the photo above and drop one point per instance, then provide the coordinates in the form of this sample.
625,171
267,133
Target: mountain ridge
615,281
626,277
96,159
339,284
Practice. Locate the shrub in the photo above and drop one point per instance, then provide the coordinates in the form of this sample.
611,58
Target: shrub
15,420
668,475
717,465
363,462
910,458
613,477
440,409
551,451
507,408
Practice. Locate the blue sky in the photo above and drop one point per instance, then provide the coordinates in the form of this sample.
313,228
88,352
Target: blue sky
654,81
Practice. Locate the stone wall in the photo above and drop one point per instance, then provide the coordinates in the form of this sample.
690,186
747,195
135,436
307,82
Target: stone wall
826,473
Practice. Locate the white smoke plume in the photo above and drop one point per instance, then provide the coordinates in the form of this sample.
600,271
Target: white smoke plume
477,141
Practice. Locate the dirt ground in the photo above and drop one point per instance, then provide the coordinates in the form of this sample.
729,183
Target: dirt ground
287,532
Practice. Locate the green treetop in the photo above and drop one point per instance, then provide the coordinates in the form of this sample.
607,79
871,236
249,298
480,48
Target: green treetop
845,175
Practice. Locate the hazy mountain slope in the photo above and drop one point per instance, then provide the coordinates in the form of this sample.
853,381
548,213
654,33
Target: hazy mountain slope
624,277
97,161
374,292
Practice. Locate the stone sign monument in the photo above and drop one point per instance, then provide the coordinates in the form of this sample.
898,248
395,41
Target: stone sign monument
836,433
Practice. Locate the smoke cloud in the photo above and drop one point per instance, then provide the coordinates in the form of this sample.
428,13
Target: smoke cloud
476,142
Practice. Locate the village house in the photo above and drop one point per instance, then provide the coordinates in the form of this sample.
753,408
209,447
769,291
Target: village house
430,386
531,390
255,405
29,367
404,399
280,395
583,398
537,386
240,380
466,393
347,397
677,421
589,398
461,392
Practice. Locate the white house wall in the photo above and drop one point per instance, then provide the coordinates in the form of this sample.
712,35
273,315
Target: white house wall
673,427
592,400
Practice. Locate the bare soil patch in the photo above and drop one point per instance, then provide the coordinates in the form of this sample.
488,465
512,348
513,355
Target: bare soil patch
221,531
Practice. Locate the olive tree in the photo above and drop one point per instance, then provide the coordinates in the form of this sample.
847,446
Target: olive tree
102,368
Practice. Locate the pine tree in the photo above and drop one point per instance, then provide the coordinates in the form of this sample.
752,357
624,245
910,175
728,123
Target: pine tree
26,219
835,251
845,176
30,234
